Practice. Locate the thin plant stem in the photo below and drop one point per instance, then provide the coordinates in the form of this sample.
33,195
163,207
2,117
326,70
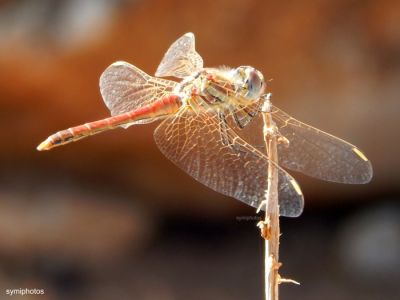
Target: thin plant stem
270,226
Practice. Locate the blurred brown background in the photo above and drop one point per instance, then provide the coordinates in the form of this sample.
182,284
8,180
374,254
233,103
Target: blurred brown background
111,218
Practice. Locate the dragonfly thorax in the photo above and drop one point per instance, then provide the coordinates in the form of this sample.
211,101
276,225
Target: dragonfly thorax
223,87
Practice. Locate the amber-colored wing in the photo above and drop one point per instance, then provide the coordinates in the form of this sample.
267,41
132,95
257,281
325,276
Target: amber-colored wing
125,87
193,142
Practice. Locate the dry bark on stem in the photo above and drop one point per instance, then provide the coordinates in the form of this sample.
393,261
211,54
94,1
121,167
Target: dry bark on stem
270,226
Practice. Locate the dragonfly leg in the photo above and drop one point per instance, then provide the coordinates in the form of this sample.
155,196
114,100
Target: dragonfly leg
223,126
227,138
238,121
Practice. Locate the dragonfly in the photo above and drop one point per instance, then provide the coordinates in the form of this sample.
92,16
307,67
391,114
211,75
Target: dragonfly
210,128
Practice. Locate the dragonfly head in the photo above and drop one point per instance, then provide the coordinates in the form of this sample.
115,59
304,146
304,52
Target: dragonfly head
249,82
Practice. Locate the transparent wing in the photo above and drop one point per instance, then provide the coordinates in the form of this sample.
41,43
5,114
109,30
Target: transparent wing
193,142
312,151
181,58
125,87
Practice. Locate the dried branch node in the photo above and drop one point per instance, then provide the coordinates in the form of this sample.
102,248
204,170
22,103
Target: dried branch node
265,228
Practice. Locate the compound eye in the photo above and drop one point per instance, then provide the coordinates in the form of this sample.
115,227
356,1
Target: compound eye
255,83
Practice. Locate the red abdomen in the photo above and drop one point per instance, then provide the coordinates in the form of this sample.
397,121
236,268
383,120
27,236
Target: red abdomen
165,106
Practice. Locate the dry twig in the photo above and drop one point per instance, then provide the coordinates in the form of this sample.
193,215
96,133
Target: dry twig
270,226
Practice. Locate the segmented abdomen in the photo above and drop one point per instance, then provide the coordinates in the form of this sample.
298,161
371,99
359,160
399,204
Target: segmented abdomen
165,106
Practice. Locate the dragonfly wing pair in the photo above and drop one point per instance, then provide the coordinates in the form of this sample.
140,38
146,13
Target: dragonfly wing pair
125,87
